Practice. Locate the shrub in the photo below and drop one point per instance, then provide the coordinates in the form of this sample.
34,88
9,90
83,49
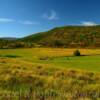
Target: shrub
44,58
77,53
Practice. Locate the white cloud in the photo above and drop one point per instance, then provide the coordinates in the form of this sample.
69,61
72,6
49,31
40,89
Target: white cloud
6,20
24,22
52,15
28,22
88,23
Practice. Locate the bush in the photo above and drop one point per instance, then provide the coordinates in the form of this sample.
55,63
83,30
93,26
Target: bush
77,53
44,58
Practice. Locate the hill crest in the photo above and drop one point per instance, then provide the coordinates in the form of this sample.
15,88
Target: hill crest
67,36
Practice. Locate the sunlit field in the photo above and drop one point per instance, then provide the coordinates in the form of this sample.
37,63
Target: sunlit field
41,71
62,58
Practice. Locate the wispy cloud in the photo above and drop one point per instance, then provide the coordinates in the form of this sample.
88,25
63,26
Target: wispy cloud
6,20
24,22
52,15
28,22
88,23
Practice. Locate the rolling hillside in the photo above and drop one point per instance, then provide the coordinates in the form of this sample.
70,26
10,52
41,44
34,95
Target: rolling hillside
68,36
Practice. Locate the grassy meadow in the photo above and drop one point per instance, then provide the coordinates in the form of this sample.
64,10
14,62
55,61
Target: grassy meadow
49,74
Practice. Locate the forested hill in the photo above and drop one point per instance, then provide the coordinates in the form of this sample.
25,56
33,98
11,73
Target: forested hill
67,36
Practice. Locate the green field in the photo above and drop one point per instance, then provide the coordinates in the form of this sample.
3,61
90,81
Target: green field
51,69
55,57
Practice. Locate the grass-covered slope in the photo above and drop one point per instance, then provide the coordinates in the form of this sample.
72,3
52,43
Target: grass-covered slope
30,82
49,74
68,36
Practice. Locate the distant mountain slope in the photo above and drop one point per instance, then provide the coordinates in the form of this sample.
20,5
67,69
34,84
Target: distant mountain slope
68,36
8,38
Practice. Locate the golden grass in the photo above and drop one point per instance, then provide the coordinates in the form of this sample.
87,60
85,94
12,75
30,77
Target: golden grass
27,71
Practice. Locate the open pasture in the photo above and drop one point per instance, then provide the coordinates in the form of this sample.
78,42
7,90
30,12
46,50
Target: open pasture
55,57
49,74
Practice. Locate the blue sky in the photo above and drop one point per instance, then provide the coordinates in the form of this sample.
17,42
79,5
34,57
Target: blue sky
20,18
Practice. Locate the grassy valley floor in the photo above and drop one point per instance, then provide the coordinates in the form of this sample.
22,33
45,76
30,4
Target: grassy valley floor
49,74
